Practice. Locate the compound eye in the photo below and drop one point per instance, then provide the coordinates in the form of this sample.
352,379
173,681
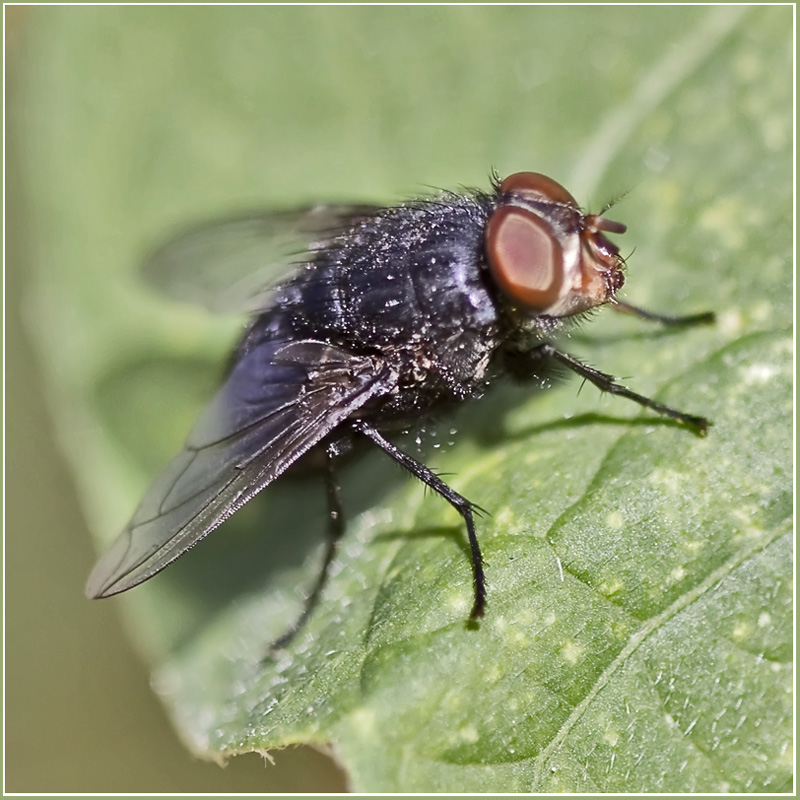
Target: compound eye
525,258
537,187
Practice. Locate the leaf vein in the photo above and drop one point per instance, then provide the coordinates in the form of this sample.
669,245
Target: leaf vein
645,631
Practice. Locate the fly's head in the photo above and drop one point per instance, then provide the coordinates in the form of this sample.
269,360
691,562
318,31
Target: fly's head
548,258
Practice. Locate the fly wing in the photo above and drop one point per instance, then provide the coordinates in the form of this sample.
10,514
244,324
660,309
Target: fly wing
280,400
248,252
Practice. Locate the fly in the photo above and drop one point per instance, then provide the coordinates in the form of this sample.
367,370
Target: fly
393,316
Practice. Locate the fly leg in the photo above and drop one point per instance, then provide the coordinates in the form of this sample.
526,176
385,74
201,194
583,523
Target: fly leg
606,383
705,318
461,504
335,532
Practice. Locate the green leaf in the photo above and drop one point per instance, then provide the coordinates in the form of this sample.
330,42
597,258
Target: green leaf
638,634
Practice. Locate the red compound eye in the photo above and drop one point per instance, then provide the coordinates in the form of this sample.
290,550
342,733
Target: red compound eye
525,257
536,186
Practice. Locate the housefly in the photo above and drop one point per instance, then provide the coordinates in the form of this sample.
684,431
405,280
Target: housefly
392,316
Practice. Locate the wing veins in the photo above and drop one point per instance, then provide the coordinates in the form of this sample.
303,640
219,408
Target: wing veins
230,480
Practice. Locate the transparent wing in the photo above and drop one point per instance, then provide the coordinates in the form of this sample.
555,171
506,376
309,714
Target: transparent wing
279,401
229,265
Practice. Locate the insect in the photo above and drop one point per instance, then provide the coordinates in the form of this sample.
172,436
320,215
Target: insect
393,315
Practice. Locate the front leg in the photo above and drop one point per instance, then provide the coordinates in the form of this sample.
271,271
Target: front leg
670,320
529,364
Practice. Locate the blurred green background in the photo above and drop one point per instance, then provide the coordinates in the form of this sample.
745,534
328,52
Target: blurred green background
127,122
